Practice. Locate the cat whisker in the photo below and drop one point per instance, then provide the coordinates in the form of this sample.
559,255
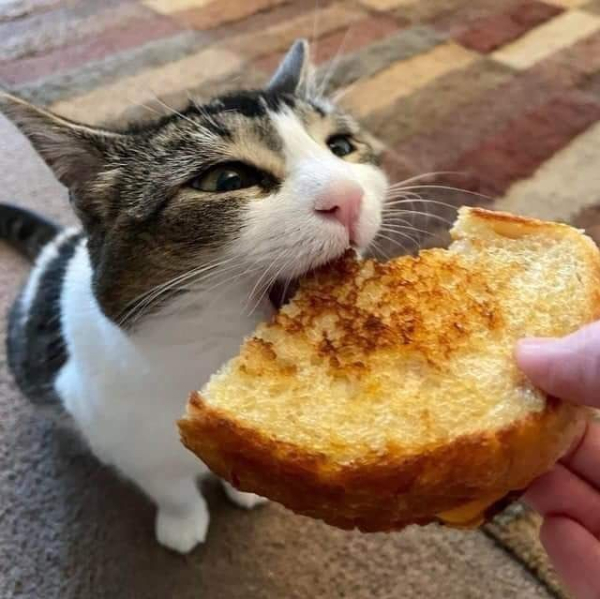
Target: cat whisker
233,275
378,250
258,283
447,188
196,280
314,43
425,214
270,282
333,64
395,220
423,175
173,110
188,285
395,206
397,242
310,86
393,227
407,227
264,275
142,302
286,286
339,95
202,111
418,200
187,275
406,197
145,106
395,189
413,203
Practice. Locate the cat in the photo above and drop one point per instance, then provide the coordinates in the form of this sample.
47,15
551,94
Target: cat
187,223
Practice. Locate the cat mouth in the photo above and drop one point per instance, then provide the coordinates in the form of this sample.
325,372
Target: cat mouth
281,292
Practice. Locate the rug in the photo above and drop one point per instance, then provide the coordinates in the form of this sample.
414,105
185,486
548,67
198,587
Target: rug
493,102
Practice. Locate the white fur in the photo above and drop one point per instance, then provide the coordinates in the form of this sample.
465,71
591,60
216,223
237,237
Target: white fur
126,391
47,255
283,231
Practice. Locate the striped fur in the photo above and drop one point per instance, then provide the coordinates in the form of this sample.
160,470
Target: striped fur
174,264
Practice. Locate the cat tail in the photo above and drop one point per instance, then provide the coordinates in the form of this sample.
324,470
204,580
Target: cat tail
26,231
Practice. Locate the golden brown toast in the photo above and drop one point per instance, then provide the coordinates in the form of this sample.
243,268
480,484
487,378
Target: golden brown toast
388,394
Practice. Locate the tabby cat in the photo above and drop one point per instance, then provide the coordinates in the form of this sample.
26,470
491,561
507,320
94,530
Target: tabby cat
191,229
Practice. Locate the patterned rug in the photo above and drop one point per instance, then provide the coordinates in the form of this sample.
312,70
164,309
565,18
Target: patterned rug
496,101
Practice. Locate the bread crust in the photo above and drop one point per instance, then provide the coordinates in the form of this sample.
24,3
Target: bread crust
389,491
489,215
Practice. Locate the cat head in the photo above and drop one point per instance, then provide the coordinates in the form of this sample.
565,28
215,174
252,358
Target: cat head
276,179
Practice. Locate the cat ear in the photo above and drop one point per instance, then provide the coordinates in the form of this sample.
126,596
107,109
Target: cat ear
292,70
76,153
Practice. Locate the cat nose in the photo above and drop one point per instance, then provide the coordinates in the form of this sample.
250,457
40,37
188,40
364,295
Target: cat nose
341,201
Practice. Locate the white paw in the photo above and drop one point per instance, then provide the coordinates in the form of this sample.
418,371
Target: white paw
241,499
182,532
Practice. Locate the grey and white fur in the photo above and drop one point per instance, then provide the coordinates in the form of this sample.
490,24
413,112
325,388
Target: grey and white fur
187,224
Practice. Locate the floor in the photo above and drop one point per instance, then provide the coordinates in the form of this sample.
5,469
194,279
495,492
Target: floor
498,97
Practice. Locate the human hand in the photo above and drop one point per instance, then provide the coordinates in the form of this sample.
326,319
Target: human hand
568,497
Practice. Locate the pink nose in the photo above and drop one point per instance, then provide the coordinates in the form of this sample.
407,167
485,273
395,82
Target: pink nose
341,201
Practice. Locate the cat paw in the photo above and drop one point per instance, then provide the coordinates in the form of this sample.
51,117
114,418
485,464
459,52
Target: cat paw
182,532
241,499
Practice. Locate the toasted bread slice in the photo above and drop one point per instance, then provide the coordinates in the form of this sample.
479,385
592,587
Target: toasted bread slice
388,394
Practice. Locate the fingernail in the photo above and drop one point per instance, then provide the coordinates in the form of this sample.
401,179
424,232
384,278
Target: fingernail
534,344
535,352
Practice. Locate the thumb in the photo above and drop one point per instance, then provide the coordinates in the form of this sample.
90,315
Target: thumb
568,368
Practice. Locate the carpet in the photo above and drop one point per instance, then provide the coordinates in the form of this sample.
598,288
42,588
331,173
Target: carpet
499,99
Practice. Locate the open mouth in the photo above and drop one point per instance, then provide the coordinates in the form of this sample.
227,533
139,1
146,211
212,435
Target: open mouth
281,292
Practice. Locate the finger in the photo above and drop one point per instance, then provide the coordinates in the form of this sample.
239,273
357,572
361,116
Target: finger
584,457
568,368
562,492
575,554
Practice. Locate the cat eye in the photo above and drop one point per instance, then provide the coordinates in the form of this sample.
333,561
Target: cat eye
341,145
228,177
